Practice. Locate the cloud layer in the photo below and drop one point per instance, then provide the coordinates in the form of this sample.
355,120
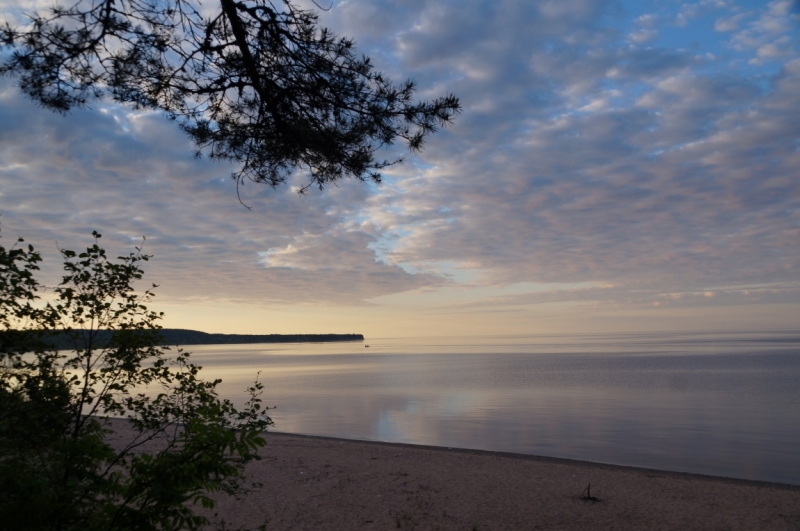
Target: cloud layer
610,152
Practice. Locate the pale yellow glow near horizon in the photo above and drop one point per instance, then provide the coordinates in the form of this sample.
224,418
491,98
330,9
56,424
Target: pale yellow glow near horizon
542,319
471,311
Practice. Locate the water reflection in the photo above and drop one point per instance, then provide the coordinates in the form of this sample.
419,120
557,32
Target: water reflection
715,404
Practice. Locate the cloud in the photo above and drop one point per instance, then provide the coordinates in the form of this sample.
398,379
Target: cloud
586,156
661,191
643,36
770,35
133,175
731,23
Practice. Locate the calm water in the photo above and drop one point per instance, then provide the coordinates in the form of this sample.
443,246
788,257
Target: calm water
725,405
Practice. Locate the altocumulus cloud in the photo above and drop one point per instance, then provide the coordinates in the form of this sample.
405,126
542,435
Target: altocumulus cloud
612,151
131,175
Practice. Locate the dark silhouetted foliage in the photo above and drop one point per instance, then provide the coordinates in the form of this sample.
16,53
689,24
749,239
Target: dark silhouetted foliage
254,81
179,336
58,467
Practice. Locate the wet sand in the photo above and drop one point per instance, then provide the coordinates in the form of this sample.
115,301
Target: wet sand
332,484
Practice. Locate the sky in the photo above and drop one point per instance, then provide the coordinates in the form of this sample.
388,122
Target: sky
619,166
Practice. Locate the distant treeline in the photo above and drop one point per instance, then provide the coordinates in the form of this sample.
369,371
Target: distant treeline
177,336
180,337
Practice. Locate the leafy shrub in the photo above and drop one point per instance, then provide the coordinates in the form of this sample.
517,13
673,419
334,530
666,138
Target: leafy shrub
58,468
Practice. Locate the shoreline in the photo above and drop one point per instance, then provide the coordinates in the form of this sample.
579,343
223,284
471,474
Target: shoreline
325,483
555,460
321,483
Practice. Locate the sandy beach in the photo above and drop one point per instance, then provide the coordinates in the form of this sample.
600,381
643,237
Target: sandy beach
332,484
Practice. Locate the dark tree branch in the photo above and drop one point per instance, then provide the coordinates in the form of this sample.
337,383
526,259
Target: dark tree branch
303,100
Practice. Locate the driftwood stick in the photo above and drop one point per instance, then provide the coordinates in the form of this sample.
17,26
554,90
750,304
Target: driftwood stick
587,494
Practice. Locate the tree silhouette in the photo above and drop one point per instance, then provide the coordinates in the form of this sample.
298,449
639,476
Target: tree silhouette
257,82
114,432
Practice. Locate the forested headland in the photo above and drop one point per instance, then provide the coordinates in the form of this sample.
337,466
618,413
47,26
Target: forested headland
182,337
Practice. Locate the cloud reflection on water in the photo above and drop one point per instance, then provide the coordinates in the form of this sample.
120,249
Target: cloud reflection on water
719,408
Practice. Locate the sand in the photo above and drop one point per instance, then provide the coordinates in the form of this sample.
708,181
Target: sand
319,483
323,483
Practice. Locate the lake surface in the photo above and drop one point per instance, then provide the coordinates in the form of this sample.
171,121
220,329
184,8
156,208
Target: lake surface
720,404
